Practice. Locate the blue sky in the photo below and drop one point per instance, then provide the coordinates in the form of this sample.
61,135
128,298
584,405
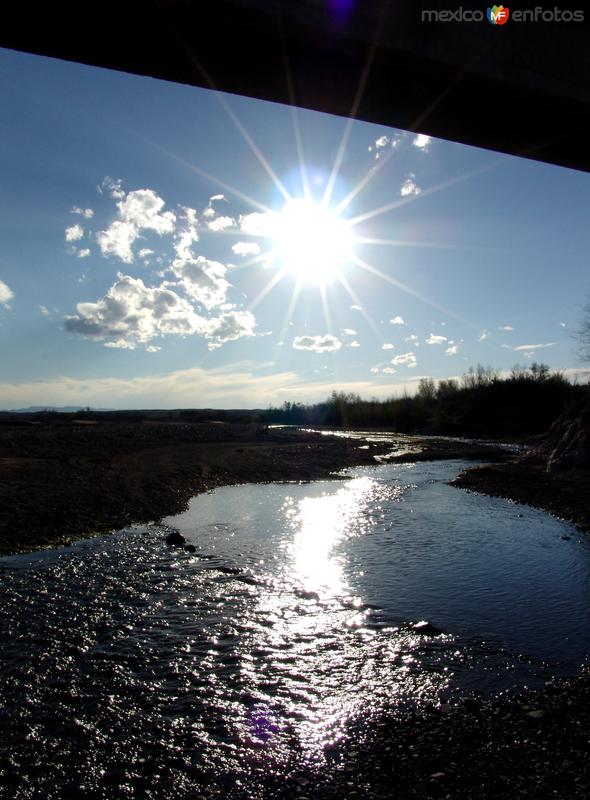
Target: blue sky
123,284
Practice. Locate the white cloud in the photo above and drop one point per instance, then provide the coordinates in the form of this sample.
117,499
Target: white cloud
112,187
258,223
389,370
382,143
397,321
216,197
422,141
531,347
246,249
484,335
388,346
507,328
434,339
202,279
145,252
221,223
354,344
562,325
452,350
83,253
131,313
118,241
356,308
228,327
348,332
375,370
411,338
74,233
87,213
406,358
317,344
142,208
138,210
409,186
44,310
6,294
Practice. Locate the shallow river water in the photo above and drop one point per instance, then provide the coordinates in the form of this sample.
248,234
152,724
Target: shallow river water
133,669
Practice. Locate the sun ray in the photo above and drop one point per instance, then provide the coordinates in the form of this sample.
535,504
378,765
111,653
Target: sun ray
234,118
434,189
326,308
355,105
290,309
399,285
357,301
278,276
427,245
293,106
375,169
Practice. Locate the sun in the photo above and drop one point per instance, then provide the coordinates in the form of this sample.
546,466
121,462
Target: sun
311,241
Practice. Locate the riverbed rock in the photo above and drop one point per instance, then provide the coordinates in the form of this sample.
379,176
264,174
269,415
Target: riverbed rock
175,539
425,628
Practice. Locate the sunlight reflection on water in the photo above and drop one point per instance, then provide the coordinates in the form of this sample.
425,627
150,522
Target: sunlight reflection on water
290,621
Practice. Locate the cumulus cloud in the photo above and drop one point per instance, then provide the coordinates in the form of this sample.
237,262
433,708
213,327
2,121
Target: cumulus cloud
411,338
409,359
44,310
221,223
382,144
348,332
228,327
112,187
409,186
118,241
434,339
356,308
421,141
74,233
84,252
388,346
87,213
397,321
259,223
505,328
389,370
374,370
202,279
145,252
6,295
131,313
246,249
452,350
354,344
484,335
317,344
138,210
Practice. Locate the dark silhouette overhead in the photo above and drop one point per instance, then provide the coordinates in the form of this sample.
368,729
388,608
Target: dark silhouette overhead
519,88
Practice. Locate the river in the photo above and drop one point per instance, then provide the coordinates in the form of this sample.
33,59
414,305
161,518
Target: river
135,669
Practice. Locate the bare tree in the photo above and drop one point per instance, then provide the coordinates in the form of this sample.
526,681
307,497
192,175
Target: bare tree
582,334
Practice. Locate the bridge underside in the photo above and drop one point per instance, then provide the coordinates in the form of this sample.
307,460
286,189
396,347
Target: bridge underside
520,88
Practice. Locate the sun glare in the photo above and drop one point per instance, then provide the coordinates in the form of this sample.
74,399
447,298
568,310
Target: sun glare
311,241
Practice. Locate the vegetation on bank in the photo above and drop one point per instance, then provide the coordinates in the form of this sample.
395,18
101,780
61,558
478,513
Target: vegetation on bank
481,403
